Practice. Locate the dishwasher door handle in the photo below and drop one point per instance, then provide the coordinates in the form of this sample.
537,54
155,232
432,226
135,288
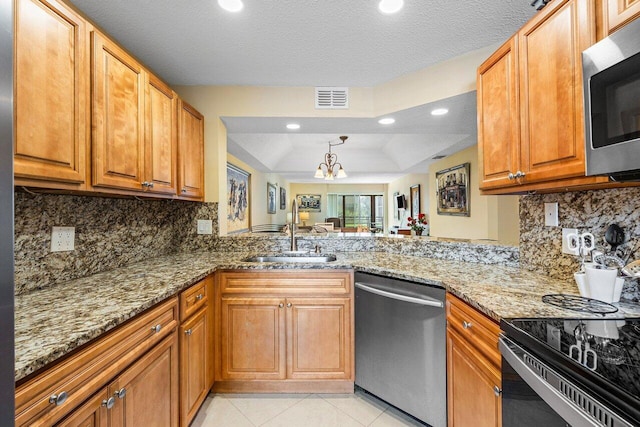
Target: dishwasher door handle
430,302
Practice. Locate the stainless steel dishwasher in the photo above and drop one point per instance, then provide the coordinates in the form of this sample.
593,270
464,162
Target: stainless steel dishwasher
401,345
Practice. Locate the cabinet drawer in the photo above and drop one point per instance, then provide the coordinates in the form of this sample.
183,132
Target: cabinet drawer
476,328
81,375
336,282
194,298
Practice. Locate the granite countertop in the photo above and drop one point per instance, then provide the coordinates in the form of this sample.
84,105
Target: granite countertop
52,322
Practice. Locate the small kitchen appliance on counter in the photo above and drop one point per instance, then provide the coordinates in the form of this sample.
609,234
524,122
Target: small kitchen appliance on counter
578,372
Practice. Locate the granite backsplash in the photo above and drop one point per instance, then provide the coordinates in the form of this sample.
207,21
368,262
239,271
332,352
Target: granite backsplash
593,211
114,232
109,233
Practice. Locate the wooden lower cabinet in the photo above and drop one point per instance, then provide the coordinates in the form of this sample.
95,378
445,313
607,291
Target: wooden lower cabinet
318,337
147,392
473,367
196,347
252,338
93,413
285,331
471,395
194,361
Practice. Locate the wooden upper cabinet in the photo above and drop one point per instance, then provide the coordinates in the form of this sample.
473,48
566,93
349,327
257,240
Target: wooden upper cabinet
530,105
118,116
551,98
161,137
190,152
499,116
51,92
618,13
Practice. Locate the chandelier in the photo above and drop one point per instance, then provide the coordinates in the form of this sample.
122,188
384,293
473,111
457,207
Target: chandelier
327,169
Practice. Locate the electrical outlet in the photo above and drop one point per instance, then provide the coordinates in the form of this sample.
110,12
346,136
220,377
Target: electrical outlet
565,242
205,226
63,239
551,214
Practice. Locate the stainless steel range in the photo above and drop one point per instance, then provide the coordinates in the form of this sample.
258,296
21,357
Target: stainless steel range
577,372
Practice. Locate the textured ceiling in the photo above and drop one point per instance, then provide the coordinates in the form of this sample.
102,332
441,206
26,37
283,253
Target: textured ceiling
318,43
301,42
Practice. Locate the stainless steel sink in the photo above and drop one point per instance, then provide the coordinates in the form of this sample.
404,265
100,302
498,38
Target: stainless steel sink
291,259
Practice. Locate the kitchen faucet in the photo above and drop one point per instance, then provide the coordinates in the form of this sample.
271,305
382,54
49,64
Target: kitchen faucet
295,218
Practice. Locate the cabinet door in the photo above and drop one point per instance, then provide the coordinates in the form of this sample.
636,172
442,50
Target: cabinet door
160,137
51,93
552,132
619,13
93,413
190,152
471,379
194,364
499,117
148,390
253,338
319,338
118,116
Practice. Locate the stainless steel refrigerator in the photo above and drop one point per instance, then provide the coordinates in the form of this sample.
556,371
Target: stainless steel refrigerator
6,215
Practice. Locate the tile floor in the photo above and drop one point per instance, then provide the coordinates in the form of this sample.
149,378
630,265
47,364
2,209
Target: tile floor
303,410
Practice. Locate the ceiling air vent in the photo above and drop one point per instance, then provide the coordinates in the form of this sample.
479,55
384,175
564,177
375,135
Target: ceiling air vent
438,157
332,98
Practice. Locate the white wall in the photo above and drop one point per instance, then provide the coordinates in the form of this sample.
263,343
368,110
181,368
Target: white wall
402,186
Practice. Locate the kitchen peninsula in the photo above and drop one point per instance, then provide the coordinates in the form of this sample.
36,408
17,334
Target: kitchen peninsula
43,317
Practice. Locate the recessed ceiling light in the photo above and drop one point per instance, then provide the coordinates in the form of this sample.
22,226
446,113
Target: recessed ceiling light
439,112
387,121
390,6
293,126
231,5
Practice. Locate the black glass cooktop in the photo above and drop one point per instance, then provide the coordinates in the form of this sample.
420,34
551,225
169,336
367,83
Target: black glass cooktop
602,355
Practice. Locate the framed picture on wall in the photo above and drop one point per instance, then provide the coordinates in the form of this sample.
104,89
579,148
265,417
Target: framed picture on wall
308,202
283,198
452,190
238,199
414,192
271,198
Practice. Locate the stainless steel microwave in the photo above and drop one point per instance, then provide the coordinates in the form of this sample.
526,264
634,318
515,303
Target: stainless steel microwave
611,72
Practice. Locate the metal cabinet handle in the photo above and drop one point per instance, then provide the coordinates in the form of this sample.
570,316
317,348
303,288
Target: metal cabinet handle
188,332
150,184
281,305
497,391
120,394
288,305
520,174
199,297
109,402
184,190
511,176
58,399
466,325
156,328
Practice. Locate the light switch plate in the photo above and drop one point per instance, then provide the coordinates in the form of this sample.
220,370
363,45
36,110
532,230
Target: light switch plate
205,226
565,246
63,239
551,214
